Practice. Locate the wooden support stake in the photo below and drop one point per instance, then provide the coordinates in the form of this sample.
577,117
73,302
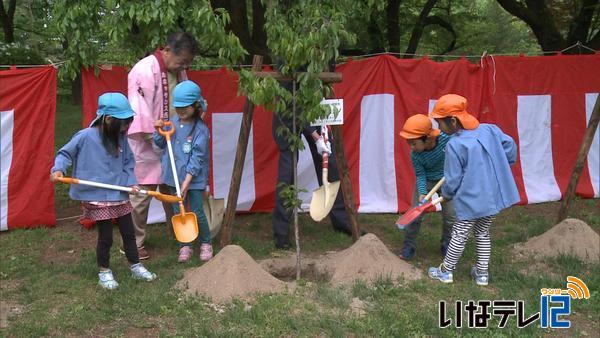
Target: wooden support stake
238,164
346,184
588,137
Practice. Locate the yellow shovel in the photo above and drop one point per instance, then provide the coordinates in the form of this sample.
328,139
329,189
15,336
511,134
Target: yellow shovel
185,225
155,194
324,197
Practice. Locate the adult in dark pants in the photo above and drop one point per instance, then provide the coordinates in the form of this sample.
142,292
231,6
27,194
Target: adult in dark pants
281,215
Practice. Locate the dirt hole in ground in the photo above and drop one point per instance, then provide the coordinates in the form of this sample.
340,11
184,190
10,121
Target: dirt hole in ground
572,237
232,273
368,260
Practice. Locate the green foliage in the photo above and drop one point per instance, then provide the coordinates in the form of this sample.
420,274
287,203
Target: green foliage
124,31
78,24
18,53
34,35
304,37
137,27
479,25
289,193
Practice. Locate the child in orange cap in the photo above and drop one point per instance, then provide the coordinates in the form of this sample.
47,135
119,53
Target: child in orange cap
427,155
478,179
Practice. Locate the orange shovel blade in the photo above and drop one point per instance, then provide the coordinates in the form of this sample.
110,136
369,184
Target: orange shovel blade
185,227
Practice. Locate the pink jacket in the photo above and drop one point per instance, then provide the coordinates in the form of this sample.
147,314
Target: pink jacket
145,96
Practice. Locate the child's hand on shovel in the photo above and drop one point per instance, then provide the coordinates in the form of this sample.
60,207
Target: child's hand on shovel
55,175
186,185
134,190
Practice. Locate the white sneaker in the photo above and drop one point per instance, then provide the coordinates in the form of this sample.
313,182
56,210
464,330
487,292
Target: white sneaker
107,280
138,271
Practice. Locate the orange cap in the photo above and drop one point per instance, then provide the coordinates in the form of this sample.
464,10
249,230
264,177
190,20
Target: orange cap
452,105
418,125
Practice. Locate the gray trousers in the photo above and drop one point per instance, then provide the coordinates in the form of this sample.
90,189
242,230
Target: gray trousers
141,205
448,218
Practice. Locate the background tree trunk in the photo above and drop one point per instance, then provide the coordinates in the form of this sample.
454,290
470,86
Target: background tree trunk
7,16
259,36
417,31
538,16
393,25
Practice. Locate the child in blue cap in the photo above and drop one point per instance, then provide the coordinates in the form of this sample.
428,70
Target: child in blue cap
190,150
100,153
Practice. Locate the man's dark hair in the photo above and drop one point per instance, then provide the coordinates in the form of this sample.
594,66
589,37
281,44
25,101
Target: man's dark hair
182,40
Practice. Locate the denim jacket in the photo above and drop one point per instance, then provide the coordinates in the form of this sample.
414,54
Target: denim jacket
91,161
190,150
478,174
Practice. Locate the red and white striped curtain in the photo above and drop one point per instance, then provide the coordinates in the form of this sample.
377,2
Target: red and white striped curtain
544,103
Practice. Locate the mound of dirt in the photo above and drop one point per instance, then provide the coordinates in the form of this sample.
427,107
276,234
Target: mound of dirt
231,273
368,259
570,237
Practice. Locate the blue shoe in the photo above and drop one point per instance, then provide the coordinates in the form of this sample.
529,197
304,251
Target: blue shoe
444,248
437,273
407,253
480,279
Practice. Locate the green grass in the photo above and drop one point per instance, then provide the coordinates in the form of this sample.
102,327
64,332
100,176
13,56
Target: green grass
53,274
62,298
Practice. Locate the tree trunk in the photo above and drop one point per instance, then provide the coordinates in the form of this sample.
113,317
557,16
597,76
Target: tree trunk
376,40
537,15
259,36
7,17
76,89
239,22
393,25
586,143
417,32
238,164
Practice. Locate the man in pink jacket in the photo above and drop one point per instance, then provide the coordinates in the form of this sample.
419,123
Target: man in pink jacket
150,92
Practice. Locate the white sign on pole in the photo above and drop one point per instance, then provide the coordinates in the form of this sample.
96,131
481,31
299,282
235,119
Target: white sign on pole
336,113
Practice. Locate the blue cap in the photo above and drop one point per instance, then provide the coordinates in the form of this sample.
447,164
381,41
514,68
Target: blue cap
186,93
115,105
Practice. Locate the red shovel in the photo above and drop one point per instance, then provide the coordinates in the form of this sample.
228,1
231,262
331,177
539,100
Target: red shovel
415,212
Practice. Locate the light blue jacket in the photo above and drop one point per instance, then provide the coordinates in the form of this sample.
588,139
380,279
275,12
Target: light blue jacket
92,162
195,162
478,174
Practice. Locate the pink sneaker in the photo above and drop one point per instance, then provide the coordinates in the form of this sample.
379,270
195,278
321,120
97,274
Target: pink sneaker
185,253
206,252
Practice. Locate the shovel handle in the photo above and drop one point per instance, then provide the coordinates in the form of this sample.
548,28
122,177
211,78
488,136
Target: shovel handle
324,133
68,180
435,188
166,133
156,194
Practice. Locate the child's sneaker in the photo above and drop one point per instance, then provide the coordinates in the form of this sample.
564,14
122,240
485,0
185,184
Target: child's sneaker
437,273
138,271
106,280
185,253
206,252
480,279
407,253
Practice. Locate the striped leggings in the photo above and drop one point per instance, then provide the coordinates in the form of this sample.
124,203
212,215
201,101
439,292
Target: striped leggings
483,244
